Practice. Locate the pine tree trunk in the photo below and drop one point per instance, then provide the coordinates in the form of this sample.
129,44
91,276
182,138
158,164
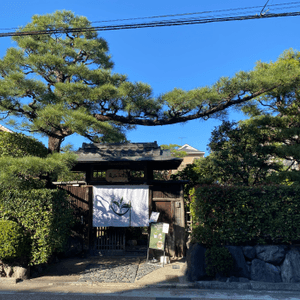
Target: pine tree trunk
54,144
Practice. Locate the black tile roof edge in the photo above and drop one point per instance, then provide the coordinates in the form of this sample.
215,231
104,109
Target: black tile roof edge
123,151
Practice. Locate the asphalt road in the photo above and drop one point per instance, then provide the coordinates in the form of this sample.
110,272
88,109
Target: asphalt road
152,294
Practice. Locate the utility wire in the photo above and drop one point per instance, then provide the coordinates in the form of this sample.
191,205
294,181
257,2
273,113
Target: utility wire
254,8
175,22
182,14
235,11
264,7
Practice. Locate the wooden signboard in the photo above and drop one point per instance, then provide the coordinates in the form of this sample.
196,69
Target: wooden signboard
114,175
158,235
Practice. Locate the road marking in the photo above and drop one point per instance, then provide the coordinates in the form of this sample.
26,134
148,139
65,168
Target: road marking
7,293
172,298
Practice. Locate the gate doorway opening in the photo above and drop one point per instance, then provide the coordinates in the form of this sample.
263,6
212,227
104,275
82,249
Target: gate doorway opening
121,241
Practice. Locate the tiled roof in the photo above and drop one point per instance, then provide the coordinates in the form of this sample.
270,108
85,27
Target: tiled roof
123,152
190,150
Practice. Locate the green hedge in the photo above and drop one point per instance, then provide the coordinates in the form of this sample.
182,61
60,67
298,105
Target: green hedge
19,145
13,241
45,216
225,215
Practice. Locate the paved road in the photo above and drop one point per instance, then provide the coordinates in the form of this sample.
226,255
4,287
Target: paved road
151,294
89,279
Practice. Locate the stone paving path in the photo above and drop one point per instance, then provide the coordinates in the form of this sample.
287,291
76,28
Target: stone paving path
125,270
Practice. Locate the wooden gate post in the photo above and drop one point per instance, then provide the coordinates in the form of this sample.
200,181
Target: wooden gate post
91,237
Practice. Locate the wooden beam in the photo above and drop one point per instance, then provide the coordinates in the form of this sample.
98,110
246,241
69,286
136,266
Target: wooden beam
90,222
167,199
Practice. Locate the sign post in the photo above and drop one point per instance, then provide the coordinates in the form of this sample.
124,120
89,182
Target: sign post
157,239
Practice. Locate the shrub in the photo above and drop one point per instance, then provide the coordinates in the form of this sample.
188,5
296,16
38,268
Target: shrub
246,215
13,244
44,214
218,261
19,145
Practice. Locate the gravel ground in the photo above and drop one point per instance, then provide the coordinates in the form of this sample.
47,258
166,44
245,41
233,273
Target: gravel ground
145,269
124,270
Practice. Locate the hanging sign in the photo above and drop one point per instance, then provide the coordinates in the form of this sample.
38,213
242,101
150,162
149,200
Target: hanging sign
157,236
165,228
115,175
154,217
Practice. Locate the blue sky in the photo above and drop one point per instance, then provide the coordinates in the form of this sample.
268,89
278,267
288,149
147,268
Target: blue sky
183,57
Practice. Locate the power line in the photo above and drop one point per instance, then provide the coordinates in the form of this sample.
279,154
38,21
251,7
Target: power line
264,7
232,10
165,23
182,14
256,8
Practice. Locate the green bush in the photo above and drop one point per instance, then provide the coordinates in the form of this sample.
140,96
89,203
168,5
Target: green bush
44,214
239,215
218,261
19,145
13,244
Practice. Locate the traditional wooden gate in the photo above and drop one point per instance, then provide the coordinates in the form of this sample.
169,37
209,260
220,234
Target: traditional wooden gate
165,198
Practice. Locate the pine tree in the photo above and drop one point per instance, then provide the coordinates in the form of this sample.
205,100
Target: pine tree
62,83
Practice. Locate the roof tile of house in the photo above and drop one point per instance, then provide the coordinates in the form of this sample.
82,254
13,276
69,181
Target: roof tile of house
123,151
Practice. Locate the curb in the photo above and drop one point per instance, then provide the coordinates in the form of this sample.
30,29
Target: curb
172,285
215,285
252,285
202,285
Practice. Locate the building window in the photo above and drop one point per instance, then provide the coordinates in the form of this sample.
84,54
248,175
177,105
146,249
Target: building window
99,174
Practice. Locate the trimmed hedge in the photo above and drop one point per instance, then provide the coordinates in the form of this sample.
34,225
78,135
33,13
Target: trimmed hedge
19,145
44,214
13,244
235,215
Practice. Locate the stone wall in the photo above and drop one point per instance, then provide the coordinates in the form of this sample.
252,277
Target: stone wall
16,272
268,263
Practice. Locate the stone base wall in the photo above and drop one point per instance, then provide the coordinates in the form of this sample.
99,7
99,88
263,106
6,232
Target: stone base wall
270,263
16,272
